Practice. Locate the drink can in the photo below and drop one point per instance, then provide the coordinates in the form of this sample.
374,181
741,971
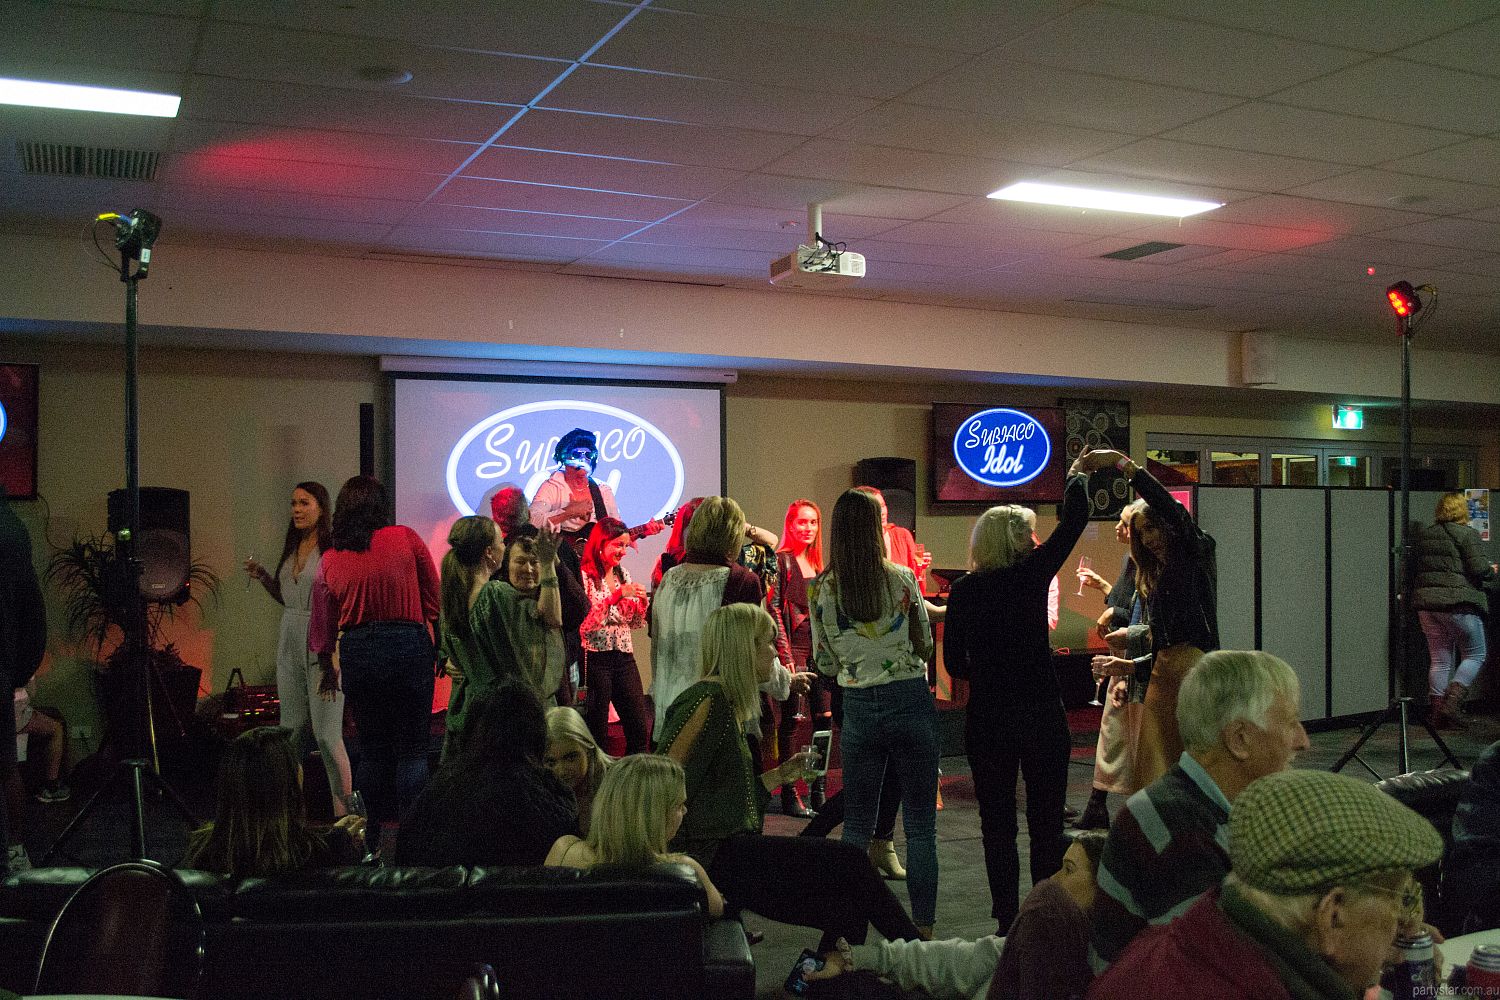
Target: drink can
1413,975
1484,972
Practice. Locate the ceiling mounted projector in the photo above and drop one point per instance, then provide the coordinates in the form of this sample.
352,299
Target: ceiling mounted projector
817,263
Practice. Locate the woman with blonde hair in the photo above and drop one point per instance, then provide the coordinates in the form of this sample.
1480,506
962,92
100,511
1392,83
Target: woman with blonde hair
640,805
707,578
807,881
1449,572
575,758
870,630
995,637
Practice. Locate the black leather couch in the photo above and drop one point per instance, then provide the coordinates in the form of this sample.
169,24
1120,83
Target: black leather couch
1434,795
416,932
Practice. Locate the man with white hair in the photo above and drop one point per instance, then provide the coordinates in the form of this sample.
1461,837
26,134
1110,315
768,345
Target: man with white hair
1238,714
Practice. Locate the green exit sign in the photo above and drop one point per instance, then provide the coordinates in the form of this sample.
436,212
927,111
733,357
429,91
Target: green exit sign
1348,418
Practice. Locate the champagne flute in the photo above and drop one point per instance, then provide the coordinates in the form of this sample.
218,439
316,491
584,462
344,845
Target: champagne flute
249,576
1098,701
355,803
1084,562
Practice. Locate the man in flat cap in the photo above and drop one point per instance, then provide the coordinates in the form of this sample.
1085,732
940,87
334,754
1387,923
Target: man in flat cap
1238,715
1320,881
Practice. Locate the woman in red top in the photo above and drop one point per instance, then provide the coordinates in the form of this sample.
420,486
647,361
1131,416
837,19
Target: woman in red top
376,597
616,606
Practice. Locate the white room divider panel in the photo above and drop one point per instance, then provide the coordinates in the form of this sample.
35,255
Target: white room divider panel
1228,513
1361,595
1293,588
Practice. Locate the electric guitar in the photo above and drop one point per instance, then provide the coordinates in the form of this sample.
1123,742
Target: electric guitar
579,537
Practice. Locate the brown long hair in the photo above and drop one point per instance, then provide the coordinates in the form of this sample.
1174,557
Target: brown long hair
856,556
815,549
324,526
258,826
1148,568
606,531
468,540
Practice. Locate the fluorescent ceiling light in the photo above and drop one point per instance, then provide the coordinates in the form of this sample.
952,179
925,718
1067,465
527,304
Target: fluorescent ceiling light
1111,201
35,94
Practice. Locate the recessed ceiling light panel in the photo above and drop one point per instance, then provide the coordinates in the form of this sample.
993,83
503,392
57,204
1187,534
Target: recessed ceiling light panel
73,97
1109,201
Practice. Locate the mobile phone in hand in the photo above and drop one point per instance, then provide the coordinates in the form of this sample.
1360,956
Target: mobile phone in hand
822,744
796,981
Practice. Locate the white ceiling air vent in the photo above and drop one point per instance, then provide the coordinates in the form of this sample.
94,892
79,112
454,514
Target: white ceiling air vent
61,159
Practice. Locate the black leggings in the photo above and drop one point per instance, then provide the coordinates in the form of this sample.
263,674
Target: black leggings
612,676
819,883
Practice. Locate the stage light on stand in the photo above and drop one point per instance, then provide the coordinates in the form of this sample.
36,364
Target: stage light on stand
1403,298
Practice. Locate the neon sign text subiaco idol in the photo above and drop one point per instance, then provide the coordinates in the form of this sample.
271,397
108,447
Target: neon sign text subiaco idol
516,444
1002,447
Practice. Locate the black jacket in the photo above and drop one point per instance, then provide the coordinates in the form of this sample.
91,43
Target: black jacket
1449,566
1183,610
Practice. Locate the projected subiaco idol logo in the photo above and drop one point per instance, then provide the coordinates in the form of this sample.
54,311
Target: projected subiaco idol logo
638,461
1002,447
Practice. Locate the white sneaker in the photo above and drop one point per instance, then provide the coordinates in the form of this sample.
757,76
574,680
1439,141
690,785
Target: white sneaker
17,859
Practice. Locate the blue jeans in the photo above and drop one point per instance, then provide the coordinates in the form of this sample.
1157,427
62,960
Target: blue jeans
1446,630
895,722
387,673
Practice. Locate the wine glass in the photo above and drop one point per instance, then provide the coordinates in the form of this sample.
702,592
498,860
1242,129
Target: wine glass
810,767
1098,701
1084,562
249,576
355,803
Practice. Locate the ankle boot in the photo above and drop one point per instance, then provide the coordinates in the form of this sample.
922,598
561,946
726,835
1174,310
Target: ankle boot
791,803
817,795
883,857
1095,814
1453,704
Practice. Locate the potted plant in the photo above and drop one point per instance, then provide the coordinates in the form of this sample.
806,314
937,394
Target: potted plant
98,590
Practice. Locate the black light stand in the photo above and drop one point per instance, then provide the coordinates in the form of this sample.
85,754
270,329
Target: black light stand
134,236
1407,304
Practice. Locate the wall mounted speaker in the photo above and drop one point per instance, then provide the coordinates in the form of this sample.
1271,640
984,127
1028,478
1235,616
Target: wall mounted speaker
896,479
163,545
1259,354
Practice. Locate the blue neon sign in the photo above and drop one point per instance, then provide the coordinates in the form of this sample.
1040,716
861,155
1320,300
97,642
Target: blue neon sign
1002,447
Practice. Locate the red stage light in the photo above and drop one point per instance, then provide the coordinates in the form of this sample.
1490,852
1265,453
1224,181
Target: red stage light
1403,298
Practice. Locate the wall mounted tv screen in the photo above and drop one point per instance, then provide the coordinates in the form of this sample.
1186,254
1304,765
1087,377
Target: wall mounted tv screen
983,454
18,419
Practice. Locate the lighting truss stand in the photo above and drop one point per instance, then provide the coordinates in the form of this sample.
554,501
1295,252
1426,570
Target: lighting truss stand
1399,709
140,769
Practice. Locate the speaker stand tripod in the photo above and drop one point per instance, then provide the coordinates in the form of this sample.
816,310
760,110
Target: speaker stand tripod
139,771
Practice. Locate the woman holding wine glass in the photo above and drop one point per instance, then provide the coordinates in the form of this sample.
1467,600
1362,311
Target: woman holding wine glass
617,605
996,638
798,560
309,534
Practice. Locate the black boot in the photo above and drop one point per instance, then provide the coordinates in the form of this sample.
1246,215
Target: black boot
817,794
791,803
1096,813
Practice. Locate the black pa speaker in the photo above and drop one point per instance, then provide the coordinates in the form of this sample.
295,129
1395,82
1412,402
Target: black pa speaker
163,543
896,479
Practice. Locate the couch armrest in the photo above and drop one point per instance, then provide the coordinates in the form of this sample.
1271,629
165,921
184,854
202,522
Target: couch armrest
728,969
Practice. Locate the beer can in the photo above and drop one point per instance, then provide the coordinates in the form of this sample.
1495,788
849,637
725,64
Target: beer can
1413,976
1483,978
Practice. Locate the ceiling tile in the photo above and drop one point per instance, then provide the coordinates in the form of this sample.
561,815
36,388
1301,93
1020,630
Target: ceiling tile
907,168
418,238
1325,269
1180,161
563,201
731,48
960,26
1371,25
323,60
1052,218
561,29
266,143
1467,234
1476,161
635,138
1136,46
1367,250
599,173
643,251
490,220
1472,49
1408,92
280,175
1384,189
39,33
791,225
1483,265
1002,87
793,194
279,227
720,238
1303,132
83,128
279,204
701,101
972,258
960,238
944,130
1329,217
292,106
